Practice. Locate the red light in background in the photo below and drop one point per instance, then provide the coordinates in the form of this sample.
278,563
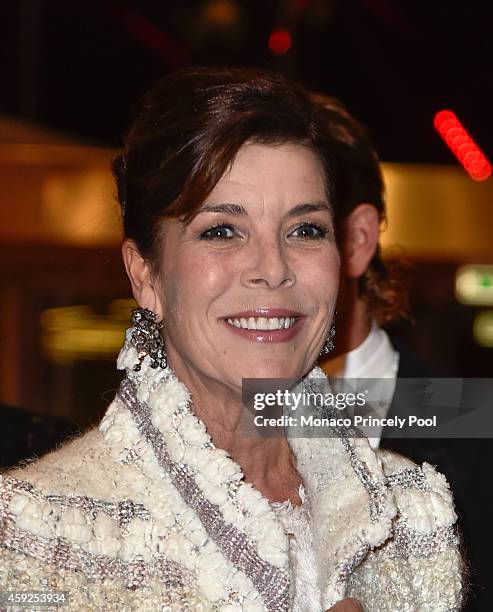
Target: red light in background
462,145
280,42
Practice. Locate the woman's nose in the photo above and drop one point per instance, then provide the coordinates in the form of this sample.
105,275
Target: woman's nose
267,266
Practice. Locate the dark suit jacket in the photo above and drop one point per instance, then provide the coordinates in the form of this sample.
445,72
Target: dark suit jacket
466,465
25,434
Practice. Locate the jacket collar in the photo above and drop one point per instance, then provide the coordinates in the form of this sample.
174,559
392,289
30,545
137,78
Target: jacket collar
351,506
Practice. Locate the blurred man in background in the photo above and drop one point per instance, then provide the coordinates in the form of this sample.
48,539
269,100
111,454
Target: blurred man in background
372,291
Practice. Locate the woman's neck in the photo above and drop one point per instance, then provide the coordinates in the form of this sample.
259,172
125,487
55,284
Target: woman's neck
266,462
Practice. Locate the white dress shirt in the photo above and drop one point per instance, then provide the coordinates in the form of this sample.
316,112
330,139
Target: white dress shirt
375,358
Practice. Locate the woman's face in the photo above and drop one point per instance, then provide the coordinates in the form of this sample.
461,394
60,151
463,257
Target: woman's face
248,288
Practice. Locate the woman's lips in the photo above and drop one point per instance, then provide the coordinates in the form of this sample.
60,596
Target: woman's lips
264,312
268,335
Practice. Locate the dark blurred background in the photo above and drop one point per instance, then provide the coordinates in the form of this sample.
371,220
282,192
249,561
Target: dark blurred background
80,66
71,76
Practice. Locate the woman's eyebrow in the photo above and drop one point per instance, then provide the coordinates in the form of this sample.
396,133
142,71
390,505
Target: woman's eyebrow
228,209
303,209
238,209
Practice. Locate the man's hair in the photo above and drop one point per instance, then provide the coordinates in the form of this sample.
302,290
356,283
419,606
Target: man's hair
358,180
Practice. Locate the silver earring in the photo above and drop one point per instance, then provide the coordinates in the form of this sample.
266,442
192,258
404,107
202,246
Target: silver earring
329,341
147,339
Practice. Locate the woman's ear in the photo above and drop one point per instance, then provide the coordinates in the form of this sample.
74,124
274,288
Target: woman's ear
361,230
139,272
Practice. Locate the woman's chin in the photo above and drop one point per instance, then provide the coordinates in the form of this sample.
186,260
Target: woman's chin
272,369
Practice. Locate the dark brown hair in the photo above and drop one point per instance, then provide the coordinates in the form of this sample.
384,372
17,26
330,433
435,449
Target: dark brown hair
188,131
357,180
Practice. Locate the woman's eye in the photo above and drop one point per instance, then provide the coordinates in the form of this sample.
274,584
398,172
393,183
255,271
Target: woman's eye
218,232
311,231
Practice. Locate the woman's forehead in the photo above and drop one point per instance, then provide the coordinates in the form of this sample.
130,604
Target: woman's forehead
279,172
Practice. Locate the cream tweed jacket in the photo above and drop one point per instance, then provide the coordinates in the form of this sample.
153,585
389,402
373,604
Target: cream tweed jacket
145,513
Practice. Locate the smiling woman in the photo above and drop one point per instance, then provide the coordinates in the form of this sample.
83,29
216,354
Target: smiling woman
226,186
259,253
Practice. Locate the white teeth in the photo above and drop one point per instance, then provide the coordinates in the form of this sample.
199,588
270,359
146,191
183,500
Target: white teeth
263,323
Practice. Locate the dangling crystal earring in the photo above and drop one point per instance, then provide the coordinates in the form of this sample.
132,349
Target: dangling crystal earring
147,339
329,341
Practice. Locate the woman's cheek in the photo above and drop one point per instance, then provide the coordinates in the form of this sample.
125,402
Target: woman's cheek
199,282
